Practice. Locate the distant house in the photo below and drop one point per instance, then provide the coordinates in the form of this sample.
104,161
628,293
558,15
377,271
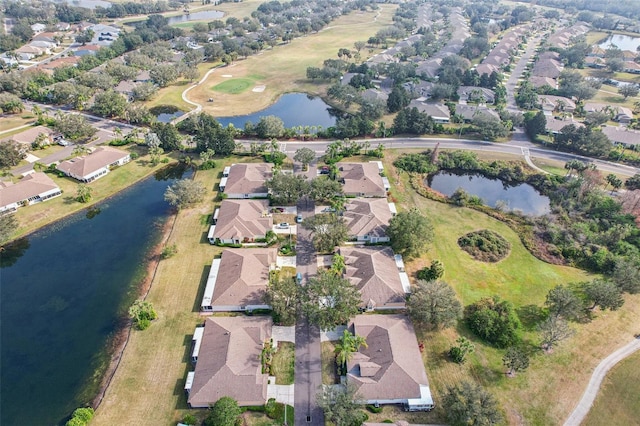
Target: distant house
87,49
374,95
487,69
241,221
623,115
469,112
42,44
554,126
631,67
142,77
594,62
547,68
125,88
556,103
228,363
438,111
622,136
38,28
368,219
373,271
247,180
31,189
429,68
238,280
27,52
50,66
362,180
49,37
63,26
27,137
472,93
389,370
538,82
95,165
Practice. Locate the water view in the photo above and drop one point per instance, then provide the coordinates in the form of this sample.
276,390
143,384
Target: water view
623,42
65,291
522,197
166,113
295,109
195,16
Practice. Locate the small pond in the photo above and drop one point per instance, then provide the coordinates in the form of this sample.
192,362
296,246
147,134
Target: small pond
295,109
166,113
623,42
521,197
195,16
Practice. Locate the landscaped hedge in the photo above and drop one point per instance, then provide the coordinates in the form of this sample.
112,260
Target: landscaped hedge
485,245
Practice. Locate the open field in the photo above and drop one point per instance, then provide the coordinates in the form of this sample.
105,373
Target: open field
235,86
284,67
11,121
618,402
547,392
33,217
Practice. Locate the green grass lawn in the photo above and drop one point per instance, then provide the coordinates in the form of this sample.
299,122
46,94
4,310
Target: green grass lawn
236,85
618,402
283,363
329,372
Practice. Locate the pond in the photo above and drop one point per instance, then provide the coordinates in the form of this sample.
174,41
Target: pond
65,291
521,197
623,42
195,16
295,109
166,113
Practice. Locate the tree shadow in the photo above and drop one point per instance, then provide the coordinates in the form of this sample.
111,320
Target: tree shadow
530,316
203,283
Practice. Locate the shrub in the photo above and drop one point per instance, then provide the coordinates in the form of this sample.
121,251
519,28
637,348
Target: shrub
119,142
494,320
142,313
374,409
189,419
207,165
431,273
169,251
485,245
80,417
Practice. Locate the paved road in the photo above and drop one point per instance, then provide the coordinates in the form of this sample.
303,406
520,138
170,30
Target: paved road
308,369
589,396
512,82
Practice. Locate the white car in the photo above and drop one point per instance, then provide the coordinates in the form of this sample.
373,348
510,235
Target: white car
62,142
283,225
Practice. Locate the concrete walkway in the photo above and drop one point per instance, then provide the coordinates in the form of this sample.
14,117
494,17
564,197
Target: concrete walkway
589,396
281,393
280,333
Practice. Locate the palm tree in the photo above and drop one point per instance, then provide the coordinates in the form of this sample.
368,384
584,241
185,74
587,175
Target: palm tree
346,347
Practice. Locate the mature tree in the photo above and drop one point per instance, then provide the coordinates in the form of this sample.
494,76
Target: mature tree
121,72
283,295
329,300
459,353
614,181
269,127
11,153
410,233
144,92
527,97
626,275
84,37
431,273
347,345
398,99
142,313
74,127
109,104
632,183
434,304
470,404
185,192
535,123
562,302
489,127
164,74
627,90
515,360
305,156
209,134
583,140
324,189
554,330
604,294
10,103
287,188
83,193
615,65
168,135
329,230
8,225
225,412
341,405
494,320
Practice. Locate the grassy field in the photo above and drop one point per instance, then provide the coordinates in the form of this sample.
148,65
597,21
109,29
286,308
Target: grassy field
149,382
236,86
33,217
547,392
618,402
284,67
11,121
283,363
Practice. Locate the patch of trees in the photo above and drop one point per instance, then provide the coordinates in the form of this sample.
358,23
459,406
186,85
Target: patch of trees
412,121
583,140
329,300
485,245
433,305
410,233
225,412
494,320
209,134
468,403
11,153
184,193
142,313
329,231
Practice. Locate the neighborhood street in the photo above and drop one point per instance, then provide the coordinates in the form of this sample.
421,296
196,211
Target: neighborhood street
517,72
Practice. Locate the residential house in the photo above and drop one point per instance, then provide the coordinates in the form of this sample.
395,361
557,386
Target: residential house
247,180
597,51
389,370
87,49
489,69
556,103
623,115
594,62
622,136
538,82
373,271
27,137
27,52
31,189
49,37
362,180
555,125
476,94
238,280
374,95
419,89
631,67
95,165
38,28
125,88
241,221
469,112
50,66
547,68
63,26
142,77
429,68
438,111
229,362
368,218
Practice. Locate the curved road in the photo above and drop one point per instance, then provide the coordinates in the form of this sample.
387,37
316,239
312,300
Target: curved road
589,395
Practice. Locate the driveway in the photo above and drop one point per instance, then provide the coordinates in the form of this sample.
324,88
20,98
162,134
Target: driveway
308,369
512,82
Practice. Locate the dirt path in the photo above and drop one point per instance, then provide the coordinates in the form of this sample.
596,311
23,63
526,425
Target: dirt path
590,393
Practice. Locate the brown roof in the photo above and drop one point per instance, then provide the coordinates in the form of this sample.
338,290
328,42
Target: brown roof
391,366
229,361
243,276
86,165
29,186
373,271
30,135
60,62
240,219
369,216
362,178
555,126
538,81
547,68
248,178
621,135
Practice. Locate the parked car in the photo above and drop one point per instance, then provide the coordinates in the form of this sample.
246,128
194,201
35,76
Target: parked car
299,277
299,218
324,170
62,142
283,225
